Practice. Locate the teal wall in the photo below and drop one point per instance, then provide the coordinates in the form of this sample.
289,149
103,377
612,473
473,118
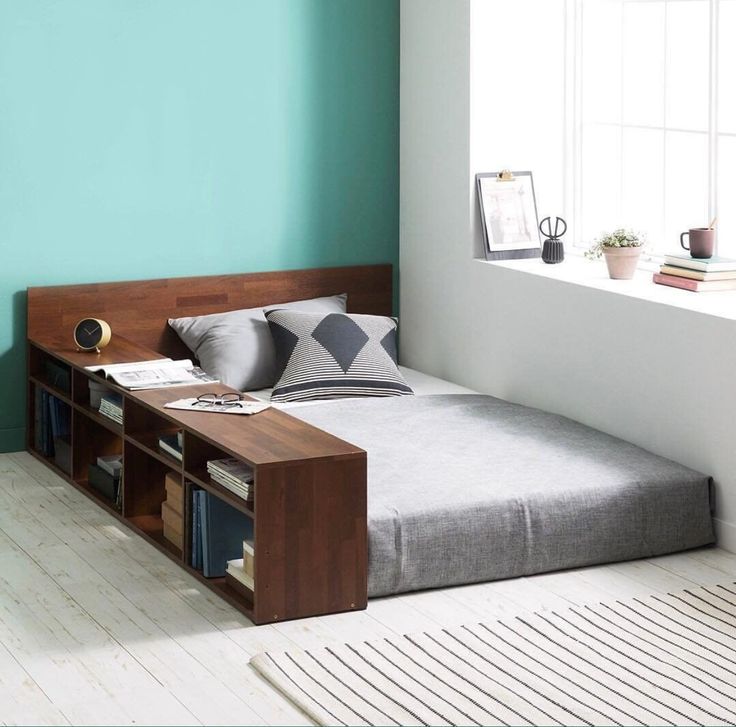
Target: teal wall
156,138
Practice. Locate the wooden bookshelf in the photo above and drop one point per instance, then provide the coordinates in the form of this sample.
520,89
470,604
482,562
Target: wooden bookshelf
309,508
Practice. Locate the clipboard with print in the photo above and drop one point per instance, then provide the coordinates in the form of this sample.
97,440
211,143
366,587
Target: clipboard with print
508,213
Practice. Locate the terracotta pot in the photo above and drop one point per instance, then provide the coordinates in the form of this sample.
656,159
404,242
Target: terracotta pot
621,261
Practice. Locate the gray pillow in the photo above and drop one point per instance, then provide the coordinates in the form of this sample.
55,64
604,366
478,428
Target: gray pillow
237,347
334,356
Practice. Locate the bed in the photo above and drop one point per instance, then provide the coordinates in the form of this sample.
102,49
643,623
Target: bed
507,491
461,487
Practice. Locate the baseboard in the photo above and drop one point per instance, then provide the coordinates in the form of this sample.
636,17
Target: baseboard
725,535
12,440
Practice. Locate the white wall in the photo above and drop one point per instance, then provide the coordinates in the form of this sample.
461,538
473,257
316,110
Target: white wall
658,376
517,99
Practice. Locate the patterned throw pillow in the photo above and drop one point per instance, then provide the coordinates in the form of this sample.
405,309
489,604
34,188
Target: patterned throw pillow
334,356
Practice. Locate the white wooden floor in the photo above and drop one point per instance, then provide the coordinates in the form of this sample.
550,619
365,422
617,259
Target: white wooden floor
97,627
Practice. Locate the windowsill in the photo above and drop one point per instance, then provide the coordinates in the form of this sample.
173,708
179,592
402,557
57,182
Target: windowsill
593,274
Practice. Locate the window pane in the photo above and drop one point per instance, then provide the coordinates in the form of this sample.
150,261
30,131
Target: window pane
686,185
726,66
601,49
643,63
601,181
643,198
688,43
726,235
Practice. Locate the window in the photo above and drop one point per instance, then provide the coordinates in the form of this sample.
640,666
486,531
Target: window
652,104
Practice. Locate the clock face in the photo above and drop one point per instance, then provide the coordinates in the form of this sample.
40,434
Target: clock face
88,333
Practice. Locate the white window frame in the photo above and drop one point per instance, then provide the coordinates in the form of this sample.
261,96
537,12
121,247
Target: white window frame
573,177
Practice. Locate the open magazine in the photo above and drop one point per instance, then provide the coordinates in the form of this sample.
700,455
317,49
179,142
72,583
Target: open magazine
156,374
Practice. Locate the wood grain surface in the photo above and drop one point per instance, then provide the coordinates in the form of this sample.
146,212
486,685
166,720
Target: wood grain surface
139,310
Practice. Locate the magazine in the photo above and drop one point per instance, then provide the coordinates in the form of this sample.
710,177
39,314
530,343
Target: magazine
156,374
242,407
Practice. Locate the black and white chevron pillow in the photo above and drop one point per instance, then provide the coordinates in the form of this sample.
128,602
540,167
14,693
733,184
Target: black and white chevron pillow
334,356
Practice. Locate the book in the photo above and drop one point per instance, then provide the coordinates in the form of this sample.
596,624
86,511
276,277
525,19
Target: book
111,406
245,591
713,264
111,463
47,440
174,492
696,286
236,570
196,529
172,536
60,418
234,475
172,518
696,274
223,530
169,443
58,375
249,558
37,418
103,482
156,374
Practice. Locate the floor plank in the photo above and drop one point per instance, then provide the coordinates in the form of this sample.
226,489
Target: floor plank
98,627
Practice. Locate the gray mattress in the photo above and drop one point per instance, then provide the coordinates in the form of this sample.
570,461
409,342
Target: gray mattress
465,488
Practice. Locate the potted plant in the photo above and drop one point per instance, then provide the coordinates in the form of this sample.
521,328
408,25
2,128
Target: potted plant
621,249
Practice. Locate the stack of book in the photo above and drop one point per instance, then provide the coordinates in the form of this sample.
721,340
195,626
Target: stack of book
172,444
111,406
172,509
697,274
233,474
52,428
242,569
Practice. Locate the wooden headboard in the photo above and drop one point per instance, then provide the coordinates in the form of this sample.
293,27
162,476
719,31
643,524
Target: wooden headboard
139,310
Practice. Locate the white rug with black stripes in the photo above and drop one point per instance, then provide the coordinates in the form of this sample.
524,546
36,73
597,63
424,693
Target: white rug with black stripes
662,660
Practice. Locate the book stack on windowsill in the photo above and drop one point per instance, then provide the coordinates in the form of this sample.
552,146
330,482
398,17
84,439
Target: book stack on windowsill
697,274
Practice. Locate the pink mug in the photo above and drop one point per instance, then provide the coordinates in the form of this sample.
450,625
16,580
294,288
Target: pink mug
702,241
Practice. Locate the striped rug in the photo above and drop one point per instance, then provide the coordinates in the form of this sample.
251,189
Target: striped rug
660,660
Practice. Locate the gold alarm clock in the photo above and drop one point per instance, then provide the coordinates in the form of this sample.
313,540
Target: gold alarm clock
92,334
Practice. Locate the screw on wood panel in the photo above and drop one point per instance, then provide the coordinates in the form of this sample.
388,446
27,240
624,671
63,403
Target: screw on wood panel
352,605
275,616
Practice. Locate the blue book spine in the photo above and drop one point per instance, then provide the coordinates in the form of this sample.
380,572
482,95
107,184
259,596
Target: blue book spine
204,534
193,554
196,530
54,416
38,418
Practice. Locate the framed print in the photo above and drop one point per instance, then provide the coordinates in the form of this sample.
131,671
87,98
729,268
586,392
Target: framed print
508,212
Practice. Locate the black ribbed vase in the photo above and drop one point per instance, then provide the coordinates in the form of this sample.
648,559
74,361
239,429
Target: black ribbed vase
553,251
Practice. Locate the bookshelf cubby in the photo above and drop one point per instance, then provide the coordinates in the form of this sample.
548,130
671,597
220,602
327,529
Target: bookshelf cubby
309,509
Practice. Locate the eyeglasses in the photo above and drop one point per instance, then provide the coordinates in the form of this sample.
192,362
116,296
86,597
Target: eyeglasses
227,399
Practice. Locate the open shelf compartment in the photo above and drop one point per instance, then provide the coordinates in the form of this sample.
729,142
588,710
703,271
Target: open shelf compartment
50,427
145,493
90,441
50,372
197,453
